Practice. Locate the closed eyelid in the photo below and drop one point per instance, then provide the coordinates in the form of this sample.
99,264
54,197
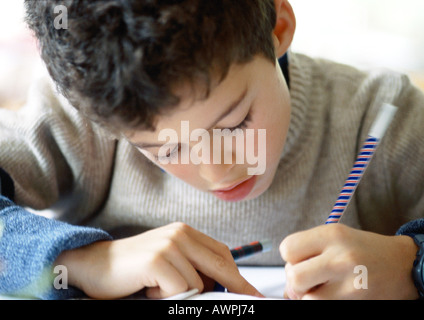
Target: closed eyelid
173,150
229,110
242,123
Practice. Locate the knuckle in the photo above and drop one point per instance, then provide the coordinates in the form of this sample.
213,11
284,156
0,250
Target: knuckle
344,262
224,250
223,247
154,261
178,230
336,231
178,225
351,258
223,254
169,245
221,262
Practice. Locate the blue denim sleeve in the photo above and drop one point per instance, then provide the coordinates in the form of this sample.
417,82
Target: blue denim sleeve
29,244
412,227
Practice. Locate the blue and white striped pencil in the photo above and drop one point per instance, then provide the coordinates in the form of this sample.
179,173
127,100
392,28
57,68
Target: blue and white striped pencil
378,129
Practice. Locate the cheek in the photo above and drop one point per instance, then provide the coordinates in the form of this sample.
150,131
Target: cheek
185,172
278,132
274,116
279,124
276,124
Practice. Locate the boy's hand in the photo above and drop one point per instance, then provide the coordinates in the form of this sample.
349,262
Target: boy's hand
321,264
166,261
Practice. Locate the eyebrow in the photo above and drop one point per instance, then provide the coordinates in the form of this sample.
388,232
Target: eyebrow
233,106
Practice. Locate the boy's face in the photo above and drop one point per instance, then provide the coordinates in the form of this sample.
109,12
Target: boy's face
253,96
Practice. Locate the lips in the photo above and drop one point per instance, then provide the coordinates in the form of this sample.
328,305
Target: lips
236,192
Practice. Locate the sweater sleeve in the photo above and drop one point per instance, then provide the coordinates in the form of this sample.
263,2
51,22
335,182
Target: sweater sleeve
405,146
51,158
29,244
55,156
391,194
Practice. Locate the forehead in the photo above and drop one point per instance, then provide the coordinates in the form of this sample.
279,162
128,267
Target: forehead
200,113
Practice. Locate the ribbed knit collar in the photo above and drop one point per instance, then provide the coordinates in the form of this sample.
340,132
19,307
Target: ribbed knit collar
299,81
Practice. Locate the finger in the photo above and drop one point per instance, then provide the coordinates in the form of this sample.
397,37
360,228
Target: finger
307,275
176,258
303,245
185,233
242,286
226,273
167,282
328,291
220,267
289,293
213,259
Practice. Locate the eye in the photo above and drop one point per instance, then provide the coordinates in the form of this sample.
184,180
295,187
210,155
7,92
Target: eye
241,125
174,152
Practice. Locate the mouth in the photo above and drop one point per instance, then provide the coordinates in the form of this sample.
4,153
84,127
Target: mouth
237,191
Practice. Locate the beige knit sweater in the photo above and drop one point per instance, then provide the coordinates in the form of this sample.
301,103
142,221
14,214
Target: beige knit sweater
61,161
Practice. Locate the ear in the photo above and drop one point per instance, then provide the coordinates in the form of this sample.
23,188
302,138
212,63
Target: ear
285,27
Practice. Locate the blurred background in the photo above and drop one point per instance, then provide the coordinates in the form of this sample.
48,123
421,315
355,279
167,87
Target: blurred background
364,33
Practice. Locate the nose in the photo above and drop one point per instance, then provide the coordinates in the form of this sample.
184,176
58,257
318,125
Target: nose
222,160
215,173
217,170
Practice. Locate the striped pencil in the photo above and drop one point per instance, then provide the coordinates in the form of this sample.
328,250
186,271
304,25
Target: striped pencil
378,129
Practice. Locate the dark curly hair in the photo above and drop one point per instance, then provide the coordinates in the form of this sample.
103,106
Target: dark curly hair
120,61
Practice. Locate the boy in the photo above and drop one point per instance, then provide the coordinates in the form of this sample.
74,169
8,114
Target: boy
142,68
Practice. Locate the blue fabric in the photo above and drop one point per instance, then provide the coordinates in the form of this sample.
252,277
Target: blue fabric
29,244
412,227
